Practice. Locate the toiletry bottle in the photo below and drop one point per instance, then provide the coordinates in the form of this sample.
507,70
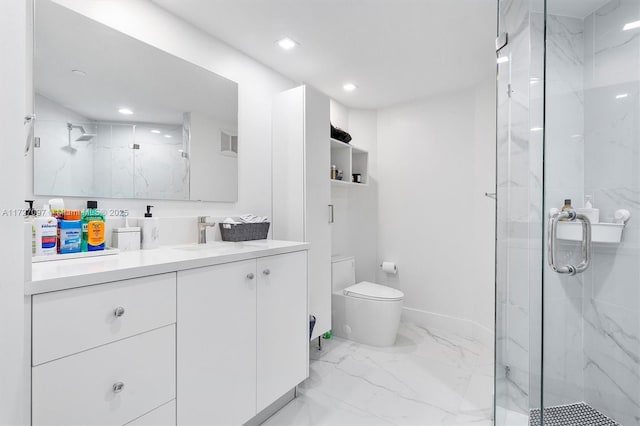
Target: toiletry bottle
93,228
70,231
46,229
56,205
29,215
589,211
150,231
567,206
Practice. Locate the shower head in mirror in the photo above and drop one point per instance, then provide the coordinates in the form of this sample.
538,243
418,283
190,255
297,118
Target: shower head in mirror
84,137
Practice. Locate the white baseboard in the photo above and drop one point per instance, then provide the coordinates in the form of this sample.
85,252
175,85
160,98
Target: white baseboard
462,327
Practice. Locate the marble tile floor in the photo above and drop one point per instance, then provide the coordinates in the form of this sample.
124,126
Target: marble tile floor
427,378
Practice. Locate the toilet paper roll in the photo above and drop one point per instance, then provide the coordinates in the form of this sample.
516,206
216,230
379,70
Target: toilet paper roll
389,267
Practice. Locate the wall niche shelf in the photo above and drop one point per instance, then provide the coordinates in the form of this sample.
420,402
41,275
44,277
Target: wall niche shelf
600,232
350,160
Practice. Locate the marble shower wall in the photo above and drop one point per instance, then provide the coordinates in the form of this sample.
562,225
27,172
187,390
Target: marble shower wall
592,321
107,166
612,163
519,161
564,178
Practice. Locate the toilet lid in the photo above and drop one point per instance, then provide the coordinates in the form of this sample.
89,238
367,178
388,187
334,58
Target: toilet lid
367,290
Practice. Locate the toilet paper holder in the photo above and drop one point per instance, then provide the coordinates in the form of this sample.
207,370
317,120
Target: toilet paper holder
389,267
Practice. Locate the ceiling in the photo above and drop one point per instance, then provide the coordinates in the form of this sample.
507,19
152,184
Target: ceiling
395,51
121,72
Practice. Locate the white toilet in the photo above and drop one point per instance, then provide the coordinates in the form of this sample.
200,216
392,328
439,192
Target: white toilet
364,312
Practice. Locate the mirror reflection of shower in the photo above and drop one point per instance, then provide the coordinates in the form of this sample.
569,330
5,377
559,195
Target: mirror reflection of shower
84,136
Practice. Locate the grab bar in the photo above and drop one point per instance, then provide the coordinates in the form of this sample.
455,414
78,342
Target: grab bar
552,236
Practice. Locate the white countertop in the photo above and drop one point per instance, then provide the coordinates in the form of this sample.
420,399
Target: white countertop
72,273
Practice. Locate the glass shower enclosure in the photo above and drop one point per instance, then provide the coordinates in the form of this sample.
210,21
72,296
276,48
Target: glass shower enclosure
568,205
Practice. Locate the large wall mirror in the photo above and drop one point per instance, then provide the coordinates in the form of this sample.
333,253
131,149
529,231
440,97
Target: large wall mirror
117,118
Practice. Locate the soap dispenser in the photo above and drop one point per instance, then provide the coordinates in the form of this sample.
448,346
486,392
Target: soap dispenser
29,215
150,231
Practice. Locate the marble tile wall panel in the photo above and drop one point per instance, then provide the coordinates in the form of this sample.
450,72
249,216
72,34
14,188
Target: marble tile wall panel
612,162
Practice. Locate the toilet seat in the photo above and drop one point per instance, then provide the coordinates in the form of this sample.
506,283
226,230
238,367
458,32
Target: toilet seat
372,291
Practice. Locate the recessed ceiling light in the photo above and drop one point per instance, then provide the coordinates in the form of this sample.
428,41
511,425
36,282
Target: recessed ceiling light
79,73
622,95
125,111
631,25
536,129
156,131
502,59
167,136
286,43
349,87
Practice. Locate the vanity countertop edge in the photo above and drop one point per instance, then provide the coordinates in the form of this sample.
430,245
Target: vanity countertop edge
73,273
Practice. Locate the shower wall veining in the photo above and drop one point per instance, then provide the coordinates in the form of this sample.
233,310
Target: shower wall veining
591,327
106,166
611,308
519,223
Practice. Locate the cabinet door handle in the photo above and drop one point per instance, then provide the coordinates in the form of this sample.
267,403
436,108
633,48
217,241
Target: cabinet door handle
266,272
331,218
118,312
118,387
250,275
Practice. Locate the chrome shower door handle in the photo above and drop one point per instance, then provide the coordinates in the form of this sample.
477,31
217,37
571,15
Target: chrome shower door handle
552,236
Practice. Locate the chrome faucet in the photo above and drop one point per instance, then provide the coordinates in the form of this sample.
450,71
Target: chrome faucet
203,224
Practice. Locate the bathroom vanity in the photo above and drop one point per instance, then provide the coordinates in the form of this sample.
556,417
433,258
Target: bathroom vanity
196,334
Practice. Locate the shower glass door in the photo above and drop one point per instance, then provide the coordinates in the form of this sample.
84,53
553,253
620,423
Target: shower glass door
591,298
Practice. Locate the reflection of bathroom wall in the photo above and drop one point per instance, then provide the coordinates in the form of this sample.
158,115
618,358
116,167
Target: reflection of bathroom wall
107,166
214,174
59,170
113,161
160,170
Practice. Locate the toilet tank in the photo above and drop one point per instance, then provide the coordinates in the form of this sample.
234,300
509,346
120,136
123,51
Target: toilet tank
343,272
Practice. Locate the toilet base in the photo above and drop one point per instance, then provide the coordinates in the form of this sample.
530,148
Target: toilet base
372,322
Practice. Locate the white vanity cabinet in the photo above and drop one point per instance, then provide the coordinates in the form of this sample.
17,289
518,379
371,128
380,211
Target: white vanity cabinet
210,340
283,326
242,337
217,344
104,354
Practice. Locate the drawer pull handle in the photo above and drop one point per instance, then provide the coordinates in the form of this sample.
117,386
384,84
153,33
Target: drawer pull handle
266,272
250,275
118,312
118,387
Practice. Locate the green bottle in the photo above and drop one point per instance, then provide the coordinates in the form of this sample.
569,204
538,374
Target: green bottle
93,228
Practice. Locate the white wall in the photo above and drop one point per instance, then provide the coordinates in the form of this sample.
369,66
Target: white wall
436,159
214,175
13,358
257,84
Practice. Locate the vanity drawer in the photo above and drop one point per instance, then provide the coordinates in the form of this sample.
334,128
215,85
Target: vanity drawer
70,321
81,389
161,416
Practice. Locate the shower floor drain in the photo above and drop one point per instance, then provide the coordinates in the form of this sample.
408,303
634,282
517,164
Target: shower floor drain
579,414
